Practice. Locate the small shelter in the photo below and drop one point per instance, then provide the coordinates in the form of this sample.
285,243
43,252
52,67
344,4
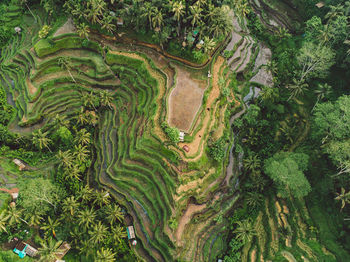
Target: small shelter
320,4
62,251
19,163
181,136
22,249
120,21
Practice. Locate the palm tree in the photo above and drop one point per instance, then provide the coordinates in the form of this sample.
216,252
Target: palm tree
106,98
3,221
89,100
195,14
335,11
81,153
85,194
254,199
252,162
49,250
60,120
107,24
157,19
178,9
98,233
66,64
101,198
14,215
65,159
298,87
322,91
344,197
118,233
34,219
283,32
114,213
208,44
83,30
241,8
51,225
347,42
148,11
96,8
86,217
82,137
85,248
72,172
82,117
105,255
245,231
70,205
287,130
41,140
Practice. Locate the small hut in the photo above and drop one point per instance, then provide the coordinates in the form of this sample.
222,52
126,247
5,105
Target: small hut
19,163
181,136
22,249
320,4
62,251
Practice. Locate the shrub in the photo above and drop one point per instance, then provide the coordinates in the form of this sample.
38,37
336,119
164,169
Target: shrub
44,31
217,149
172,132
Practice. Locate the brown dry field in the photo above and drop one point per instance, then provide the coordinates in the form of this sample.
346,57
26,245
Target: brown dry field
185,100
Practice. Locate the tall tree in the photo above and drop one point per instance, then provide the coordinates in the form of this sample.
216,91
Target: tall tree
98,233
245,231
51,226
86,217
105,255
41,140
178,9
49,250
83,30
114,213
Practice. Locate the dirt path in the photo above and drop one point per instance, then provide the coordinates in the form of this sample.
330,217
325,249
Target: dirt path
32,89
185,219
197,145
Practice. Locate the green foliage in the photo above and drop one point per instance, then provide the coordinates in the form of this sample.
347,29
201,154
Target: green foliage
286,170
44,31
217,149
172,132
234,254
39,195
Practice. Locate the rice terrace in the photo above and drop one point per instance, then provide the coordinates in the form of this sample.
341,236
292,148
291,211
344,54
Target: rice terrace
176,130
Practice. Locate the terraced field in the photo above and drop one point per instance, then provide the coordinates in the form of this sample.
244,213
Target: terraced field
133,158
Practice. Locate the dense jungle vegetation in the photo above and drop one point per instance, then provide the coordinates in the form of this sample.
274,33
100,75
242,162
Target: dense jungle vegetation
294,138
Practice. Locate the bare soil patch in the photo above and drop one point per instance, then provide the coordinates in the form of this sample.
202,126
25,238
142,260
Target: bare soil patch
32,89
185,100
196,145
67,28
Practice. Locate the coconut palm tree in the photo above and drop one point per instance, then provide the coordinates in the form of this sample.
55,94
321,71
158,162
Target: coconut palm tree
298,87
105,255
70,205
96,9
114,213
85,248
241,8
98,233
101,198
82,137
107,24
34,219
254,199
178,9
106,98
14,215
66,64
118,233
86,217
81,153
157,19
49,250
245,231
89,100
3,221
65,159
336,10
83,30
344,197
252,162
60,120
208,44
85,194
195,14
51,225
72,172
82,117
41,140
148,11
